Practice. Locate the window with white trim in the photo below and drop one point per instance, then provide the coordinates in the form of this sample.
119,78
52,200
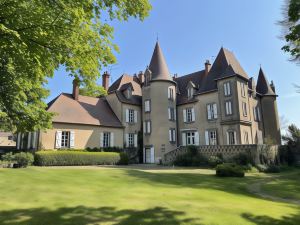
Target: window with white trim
190,138
130,140
212,112
227,88
189,115
147,106
243,89
172,135
256,114
228,108
65,139
170,93
212,136
190,92
244,107
131,115
231,137
171,113
106,139
147,127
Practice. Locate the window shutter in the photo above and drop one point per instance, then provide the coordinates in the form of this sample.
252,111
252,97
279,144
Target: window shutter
229,88
101,140
18,140
149,105
58,139
135,140
144,127
193,114
148,127
169,113
127,116
169,93
112,139
34,144
175,114
135,116
258,113
29,140
197,138
225,89
174,135
152,155
215,111
209,112
184,115
235,141
183,139
170,135
227,137
127,140
206,137
72,139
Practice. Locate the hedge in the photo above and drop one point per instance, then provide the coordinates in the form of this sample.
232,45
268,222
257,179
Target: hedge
229,170
75,158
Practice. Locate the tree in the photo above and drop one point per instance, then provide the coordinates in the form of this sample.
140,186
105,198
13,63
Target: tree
291,151
93,90
291,27
38,36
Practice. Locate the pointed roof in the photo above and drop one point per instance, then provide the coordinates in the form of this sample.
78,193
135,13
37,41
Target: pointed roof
158,65
263,87
126,79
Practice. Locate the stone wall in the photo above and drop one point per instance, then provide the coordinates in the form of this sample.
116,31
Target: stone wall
260,154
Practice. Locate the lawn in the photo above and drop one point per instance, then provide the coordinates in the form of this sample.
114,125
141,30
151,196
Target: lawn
135,196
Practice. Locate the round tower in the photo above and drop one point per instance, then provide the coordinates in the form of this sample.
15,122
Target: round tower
159,109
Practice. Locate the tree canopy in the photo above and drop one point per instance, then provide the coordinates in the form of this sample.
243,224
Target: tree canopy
291,25
38,36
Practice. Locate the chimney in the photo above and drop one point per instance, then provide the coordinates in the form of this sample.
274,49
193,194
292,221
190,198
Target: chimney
141,76
272,86
207,67
75,89
175,76
105,80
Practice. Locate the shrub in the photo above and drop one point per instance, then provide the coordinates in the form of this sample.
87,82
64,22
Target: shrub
9,157
214,160
24,159
230,170
242,159
261,168
273,169
75,158
124,159
191,158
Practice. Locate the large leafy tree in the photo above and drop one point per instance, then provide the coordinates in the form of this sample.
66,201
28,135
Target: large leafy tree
291,26
37,36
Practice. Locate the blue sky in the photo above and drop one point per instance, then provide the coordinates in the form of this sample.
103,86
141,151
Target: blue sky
192,31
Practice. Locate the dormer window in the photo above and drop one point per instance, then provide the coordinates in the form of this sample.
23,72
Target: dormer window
128,93
190,92
190,89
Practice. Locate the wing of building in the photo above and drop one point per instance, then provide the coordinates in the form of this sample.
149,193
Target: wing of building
157,112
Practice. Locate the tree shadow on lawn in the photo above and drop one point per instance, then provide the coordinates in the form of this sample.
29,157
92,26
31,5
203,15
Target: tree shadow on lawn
82,215
266,220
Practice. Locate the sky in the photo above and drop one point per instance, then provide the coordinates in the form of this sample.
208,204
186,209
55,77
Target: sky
192,31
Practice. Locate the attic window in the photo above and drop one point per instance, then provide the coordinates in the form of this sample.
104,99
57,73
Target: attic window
190,92
128,93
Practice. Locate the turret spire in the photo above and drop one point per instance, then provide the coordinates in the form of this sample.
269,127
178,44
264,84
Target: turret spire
263,87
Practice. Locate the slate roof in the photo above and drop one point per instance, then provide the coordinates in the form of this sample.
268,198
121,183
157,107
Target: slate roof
263,87
158,65
124,80
87,110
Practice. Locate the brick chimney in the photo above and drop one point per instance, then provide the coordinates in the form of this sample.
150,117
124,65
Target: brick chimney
75,92
175,76
105,80
141,76
207,67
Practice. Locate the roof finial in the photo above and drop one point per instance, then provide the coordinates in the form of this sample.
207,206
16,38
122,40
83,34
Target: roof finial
156,36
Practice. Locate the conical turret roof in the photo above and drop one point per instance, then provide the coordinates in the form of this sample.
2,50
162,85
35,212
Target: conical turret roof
263,87
158,65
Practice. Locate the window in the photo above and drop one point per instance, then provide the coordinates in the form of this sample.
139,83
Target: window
231,137
256,114
246,138
227,89
170,93
244,106
131,140
147,127
131,115
65,139
171,112
189,115
211,137
243,89
228,108
190,138
147,106
172,135
106,139
190,92
212,112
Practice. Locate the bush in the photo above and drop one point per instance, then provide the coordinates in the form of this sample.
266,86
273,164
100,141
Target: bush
24,159
268,169
214,160
261,168
124,159
191,158
242,159
9,157
230,170
75,158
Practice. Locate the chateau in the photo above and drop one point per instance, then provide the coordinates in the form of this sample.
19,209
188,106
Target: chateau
219,105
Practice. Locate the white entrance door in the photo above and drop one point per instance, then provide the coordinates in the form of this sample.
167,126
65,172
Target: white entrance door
149,155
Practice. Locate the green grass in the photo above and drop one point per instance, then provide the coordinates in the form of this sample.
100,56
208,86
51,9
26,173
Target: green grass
97,195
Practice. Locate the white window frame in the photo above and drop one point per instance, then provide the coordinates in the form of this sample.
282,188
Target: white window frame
172,135
147,105
130,140
171,114
190,115
243,90
212,137
131,118
147,127
190,138
171,93
190,92
228,108
212,111
65,139
227,88
231,137
244,107
256,114
106,139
